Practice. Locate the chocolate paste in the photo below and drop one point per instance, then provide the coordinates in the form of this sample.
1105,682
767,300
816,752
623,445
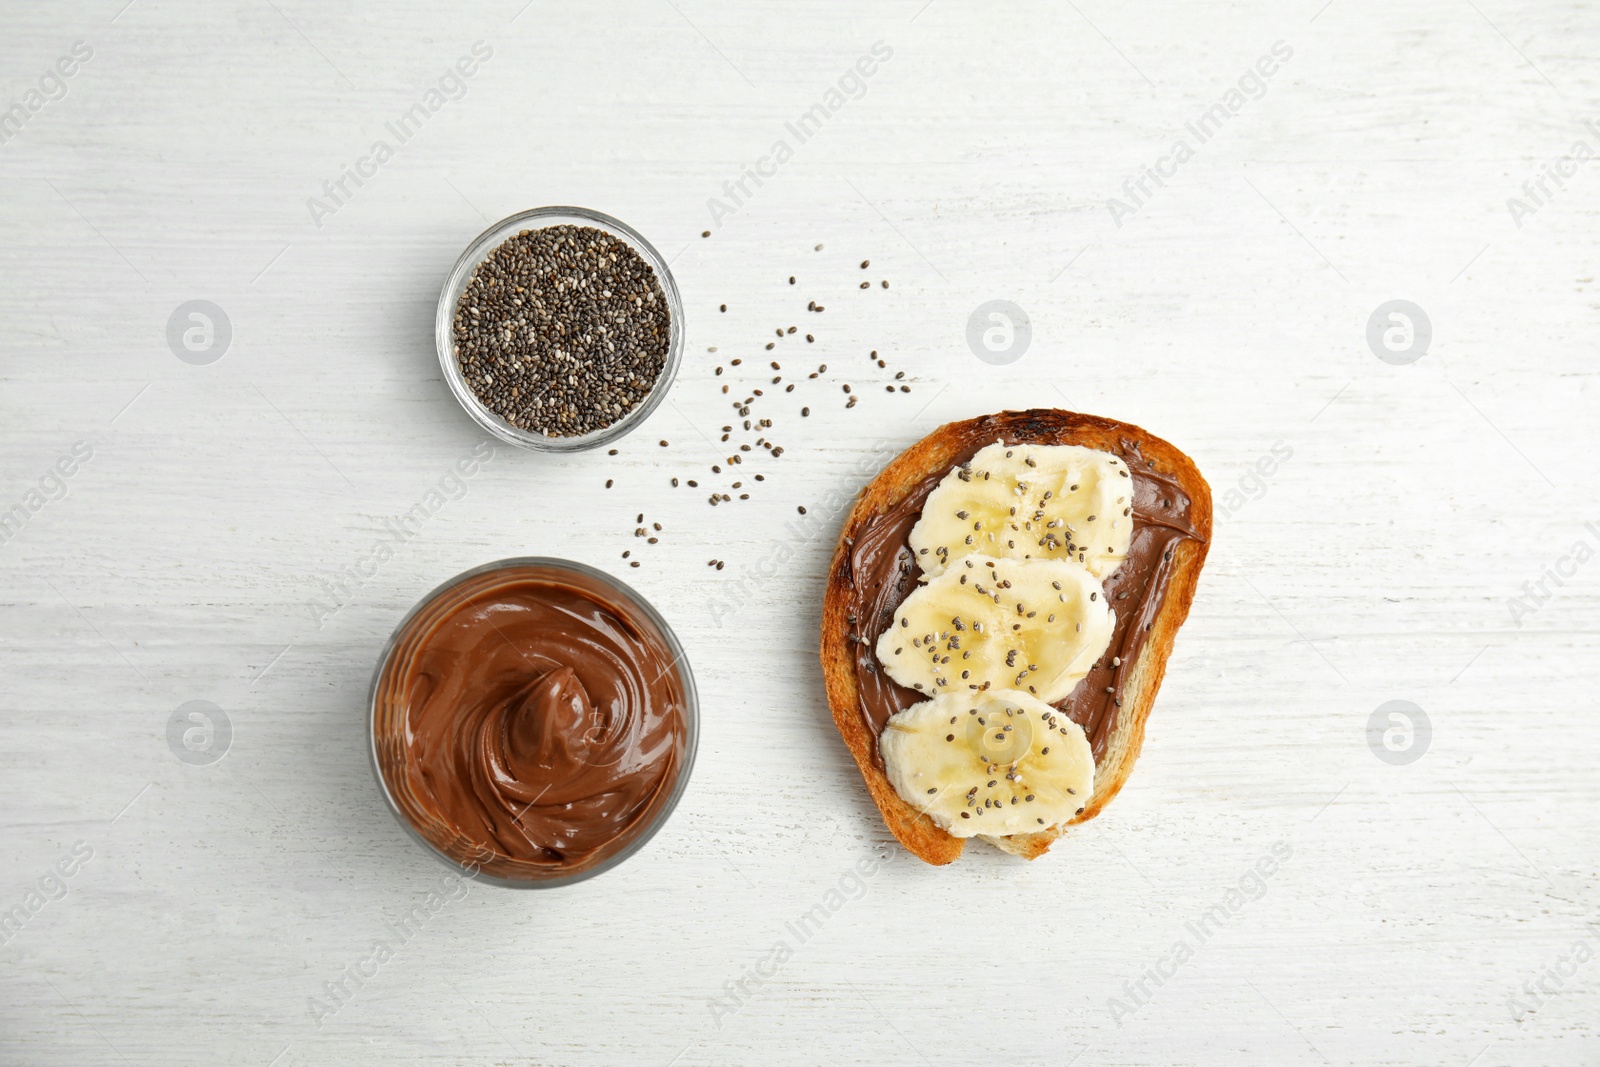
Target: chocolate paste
884,571
531,720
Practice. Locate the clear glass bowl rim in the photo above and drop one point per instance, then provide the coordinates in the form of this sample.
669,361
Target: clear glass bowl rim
691,714
477,250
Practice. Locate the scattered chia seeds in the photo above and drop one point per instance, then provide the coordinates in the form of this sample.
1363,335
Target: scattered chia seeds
562,330
722,487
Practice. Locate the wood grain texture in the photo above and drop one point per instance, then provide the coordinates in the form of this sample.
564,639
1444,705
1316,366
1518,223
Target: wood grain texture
1419,907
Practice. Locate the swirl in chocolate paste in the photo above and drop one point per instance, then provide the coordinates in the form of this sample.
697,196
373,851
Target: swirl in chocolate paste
534,714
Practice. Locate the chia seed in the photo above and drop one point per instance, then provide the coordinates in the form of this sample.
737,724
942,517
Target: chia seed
562,330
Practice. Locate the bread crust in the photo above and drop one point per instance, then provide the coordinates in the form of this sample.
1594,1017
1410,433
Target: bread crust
934,455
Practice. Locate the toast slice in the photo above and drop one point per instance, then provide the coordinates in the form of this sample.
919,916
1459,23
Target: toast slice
932,457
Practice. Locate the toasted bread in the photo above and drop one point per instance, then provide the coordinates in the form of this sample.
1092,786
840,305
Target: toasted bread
933,456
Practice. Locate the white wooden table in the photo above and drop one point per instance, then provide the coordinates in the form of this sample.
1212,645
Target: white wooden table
1436,907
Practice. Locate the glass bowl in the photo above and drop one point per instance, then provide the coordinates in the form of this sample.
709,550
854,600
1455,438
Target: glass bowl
387,724
461,274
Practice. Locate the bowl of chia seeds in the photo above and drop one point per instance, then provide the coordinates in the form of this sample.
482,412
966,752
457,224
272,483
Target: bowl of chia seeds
559,329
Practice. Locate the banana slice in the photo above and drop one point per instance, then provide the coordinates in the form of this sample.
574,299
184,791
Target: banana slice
1035,626
995,763
1029,502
